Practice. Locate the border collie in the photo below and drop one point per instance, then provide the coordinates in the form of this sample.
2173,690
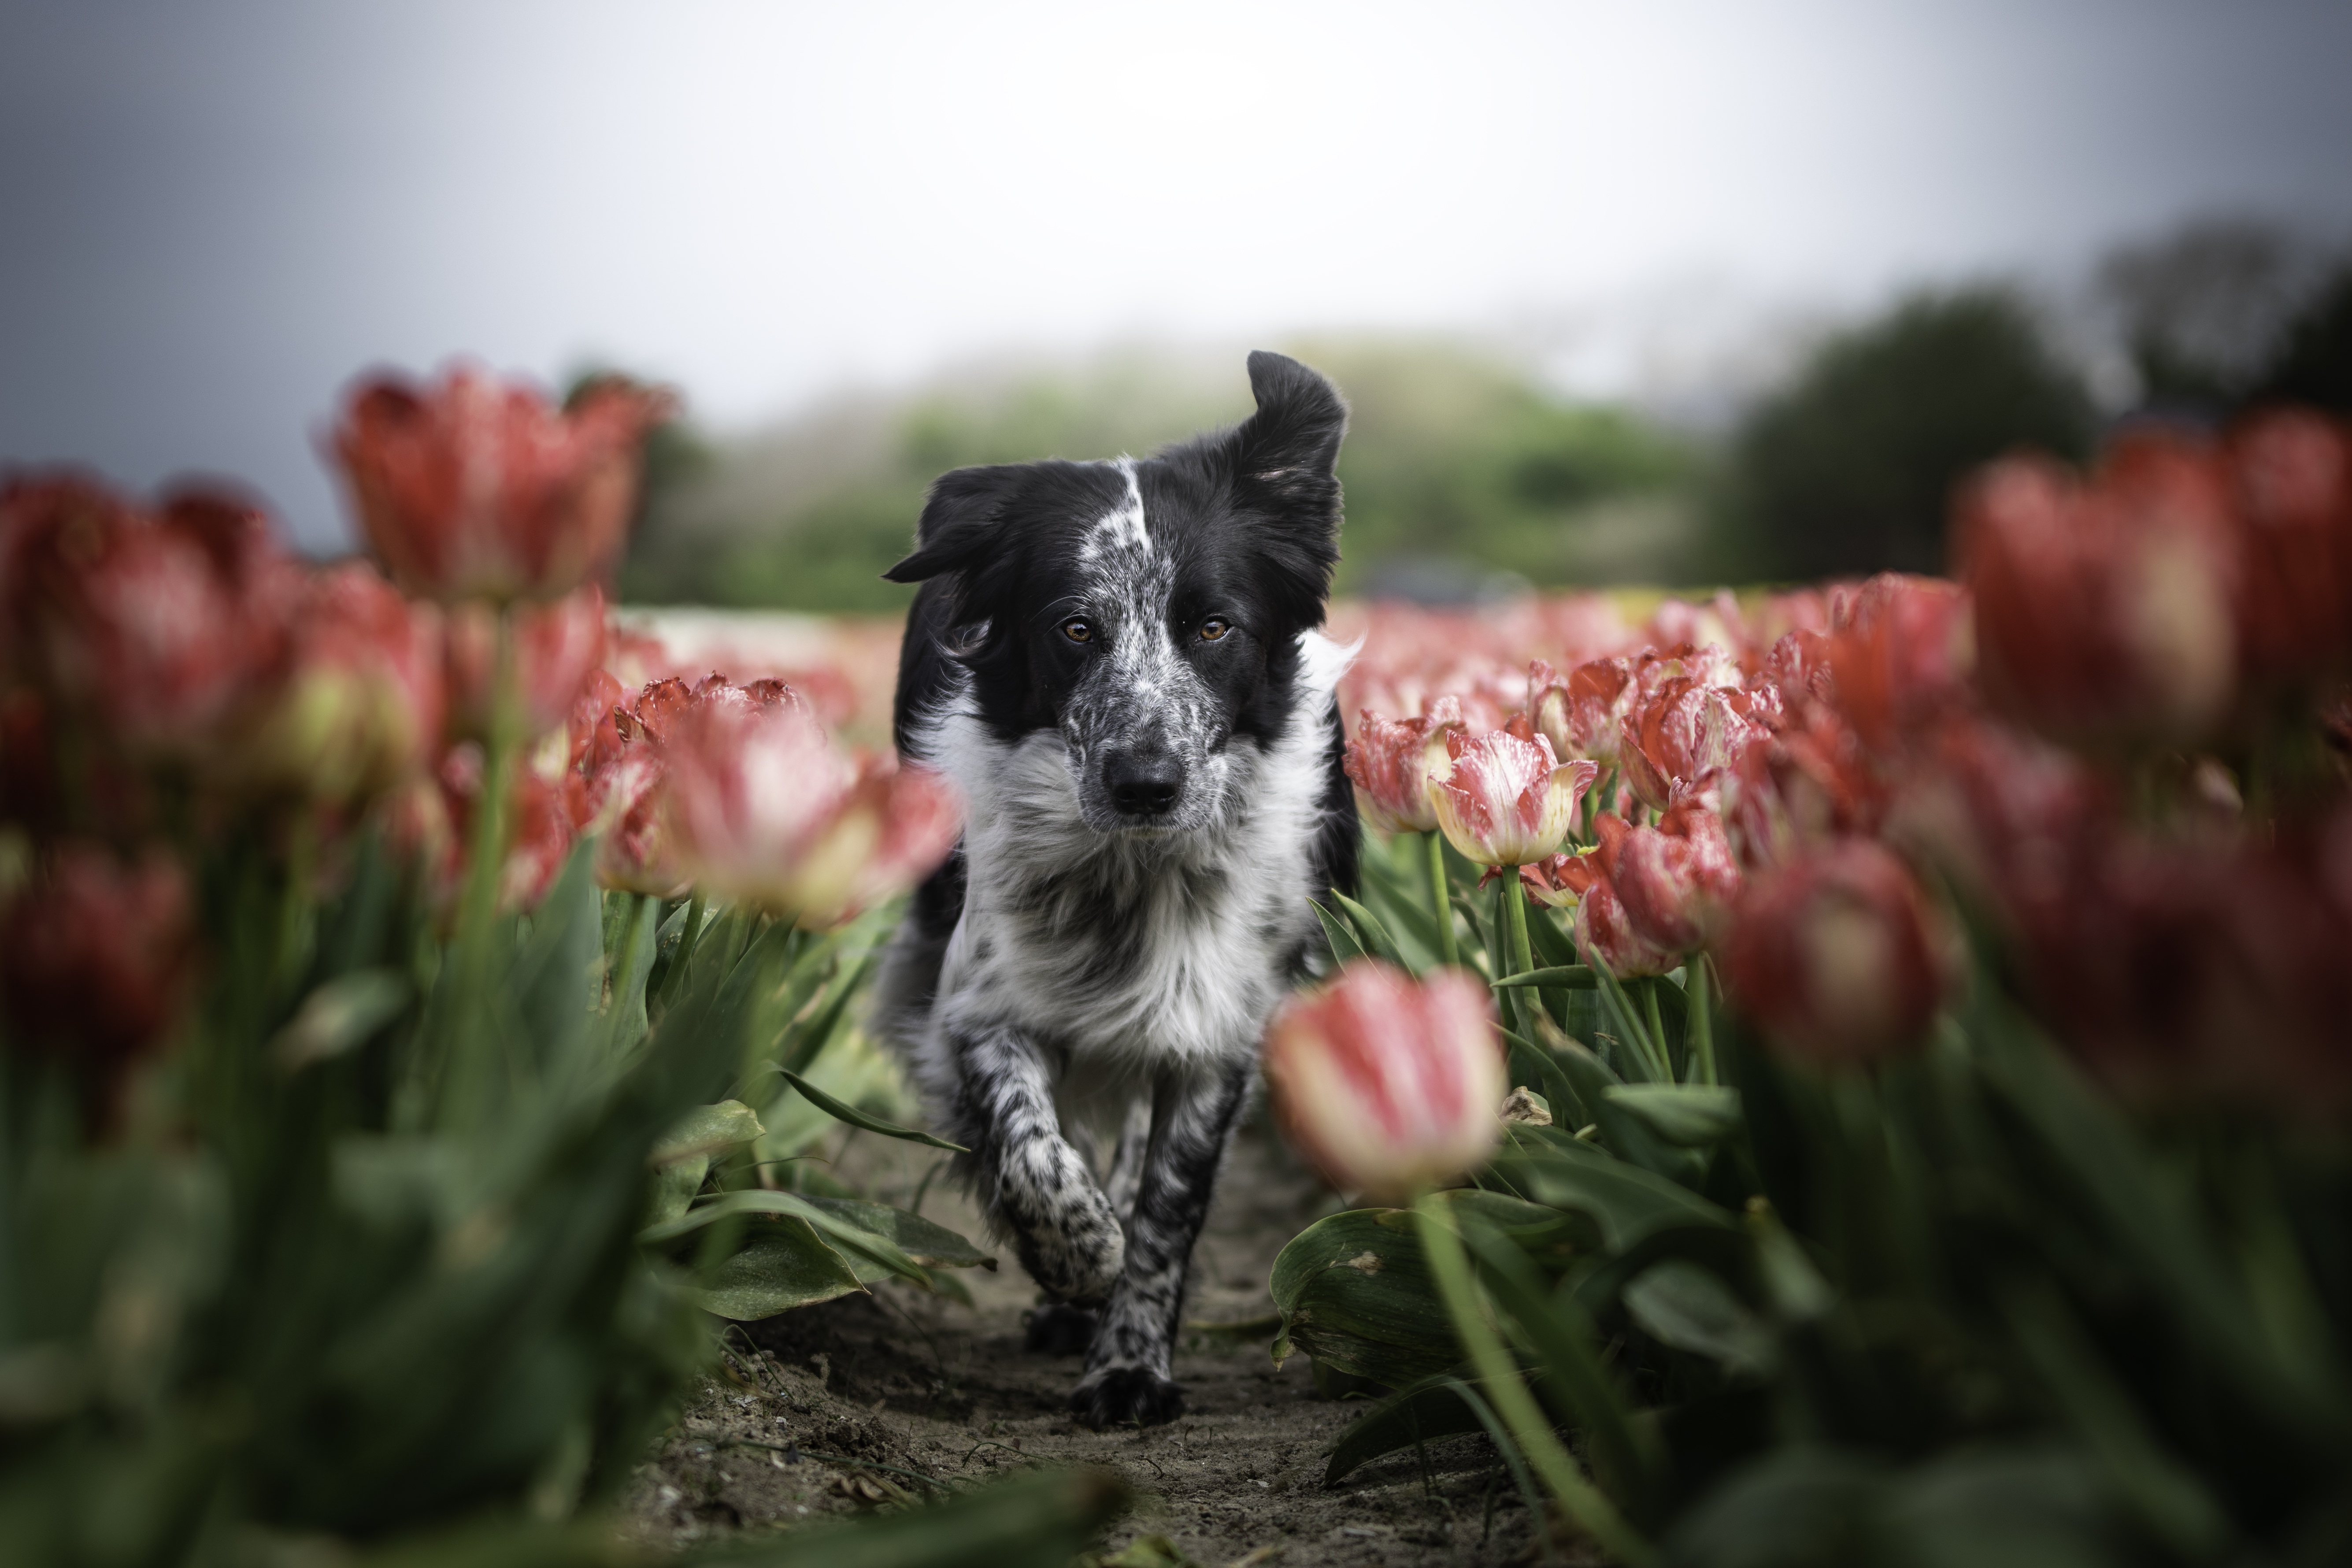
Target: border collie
1118,662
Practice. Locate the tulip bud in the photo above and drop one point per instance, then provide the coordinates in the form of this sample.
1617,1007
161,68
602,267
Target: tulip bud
558,647
1504,801
1390,764
1580,714
1386,1084
1838,958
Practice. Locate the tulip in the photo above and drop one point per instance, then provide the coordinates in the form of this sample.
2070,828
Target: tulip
154,627
437,825
1685,732
2292,473
474,489
360,705
761,808
2103,613
1608,939
1580,714
1388,1085
1504,800
1838,957
96,954
1676,881
1391,763
1903,657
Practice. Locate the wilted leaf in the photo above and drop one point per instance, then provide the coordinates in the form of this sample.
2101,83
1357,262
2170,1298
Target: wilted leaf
706,1131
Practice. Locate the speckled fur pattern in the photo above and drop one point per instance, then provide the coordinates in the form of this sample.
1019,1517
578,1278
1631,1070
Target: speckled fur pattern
1085,970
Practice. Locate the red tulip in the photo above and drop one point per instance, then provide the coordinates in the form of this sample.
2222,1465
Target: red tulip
1386,1084
2103,612
558,647
359,706
1676,881
1685,732
761,808
1559,881
2292,473
477,489
1902,657
1838,958
615,788
1504,800
154,627
1608,938
436,828
96,954
1390,764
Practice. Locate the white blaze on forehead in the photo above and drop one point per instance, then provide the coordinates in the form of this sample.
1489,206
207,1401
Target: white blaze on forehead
1122,527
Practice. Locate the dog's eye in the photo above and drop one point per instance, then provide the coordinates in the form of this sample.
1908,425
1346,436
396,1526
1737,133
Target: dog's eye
1212,628
1078,630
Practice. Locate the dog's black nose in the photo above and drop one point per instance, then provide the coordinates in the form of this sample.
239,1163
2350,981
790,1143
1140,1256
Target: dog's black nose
1143,783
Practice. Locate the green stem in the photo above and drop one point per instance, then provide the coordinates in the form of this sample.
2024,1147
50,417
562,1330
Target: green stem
1658,1029
1441,903
1499,1374
1526,1003
487,854
1702,1017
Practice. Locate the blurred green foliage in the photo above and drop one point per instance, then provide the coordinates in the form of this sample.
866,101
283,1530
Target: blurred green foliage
1453,456
1847,469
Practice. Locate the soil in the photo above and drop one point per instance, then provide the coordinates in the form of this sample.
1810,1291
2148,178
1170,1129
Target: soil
877,1400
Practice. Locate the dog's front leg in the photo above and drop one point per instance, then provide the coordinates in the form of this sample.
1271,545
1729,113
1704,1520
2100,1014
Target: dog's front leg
1038,1189
1126,1366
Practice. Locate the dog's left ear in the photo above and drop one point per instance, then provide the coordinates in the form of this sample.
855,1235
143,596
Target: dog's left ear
1284,454
1284,460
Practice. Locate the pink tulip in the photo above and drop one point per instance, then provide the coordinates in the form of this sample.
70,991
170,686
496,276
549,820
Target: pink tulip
1386,1084
1390,763
1504,800
1676,881
761,808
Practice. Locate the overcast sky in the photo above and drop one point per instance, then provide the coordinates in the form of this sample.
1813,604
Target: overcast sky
211,215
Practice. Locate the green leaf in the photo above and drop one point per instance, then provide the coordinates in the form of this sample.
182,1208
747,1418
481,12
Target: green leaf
847,1112
1564,977
1685,1305
1627,1203
1345,948
839,1228
1375,937
1689,1116
932,1246
781,1265
340,1015
706,1131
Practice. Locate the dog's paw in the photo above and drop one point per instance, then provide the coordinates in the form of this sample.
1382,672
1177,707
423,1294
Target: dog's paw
1127,1396
1059,1328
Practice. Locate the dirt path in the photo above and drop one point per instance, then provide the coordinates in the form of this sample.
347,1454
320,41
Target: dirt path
909,1382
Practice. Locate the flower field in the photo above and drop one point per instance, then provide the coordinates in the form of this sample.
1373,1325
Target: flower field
1841,1075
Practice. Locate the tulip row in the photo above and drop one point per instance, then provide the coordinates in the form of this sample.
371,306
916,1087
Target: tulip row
2091,794
407,1026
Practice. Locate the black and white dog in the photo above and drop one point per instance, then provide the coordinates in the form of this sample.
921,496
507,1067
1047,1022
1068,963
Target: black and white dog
1118,663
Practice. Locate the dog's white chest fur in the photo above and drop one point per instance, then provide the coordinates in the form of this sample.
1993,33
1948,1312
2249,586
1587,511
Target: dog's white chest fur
1131,951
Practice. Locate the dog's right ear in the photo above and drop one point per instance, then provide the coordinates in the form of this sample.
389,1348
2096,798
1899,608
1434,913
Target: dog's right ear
958,522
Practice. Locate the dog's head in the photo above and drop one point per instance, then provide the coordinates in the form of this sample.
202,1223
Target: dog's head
1148,611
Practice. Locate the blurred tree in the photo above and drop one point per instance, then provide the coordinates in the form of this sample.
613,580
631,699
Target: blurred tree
2203,309
1847,469
2313,362
1454,458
